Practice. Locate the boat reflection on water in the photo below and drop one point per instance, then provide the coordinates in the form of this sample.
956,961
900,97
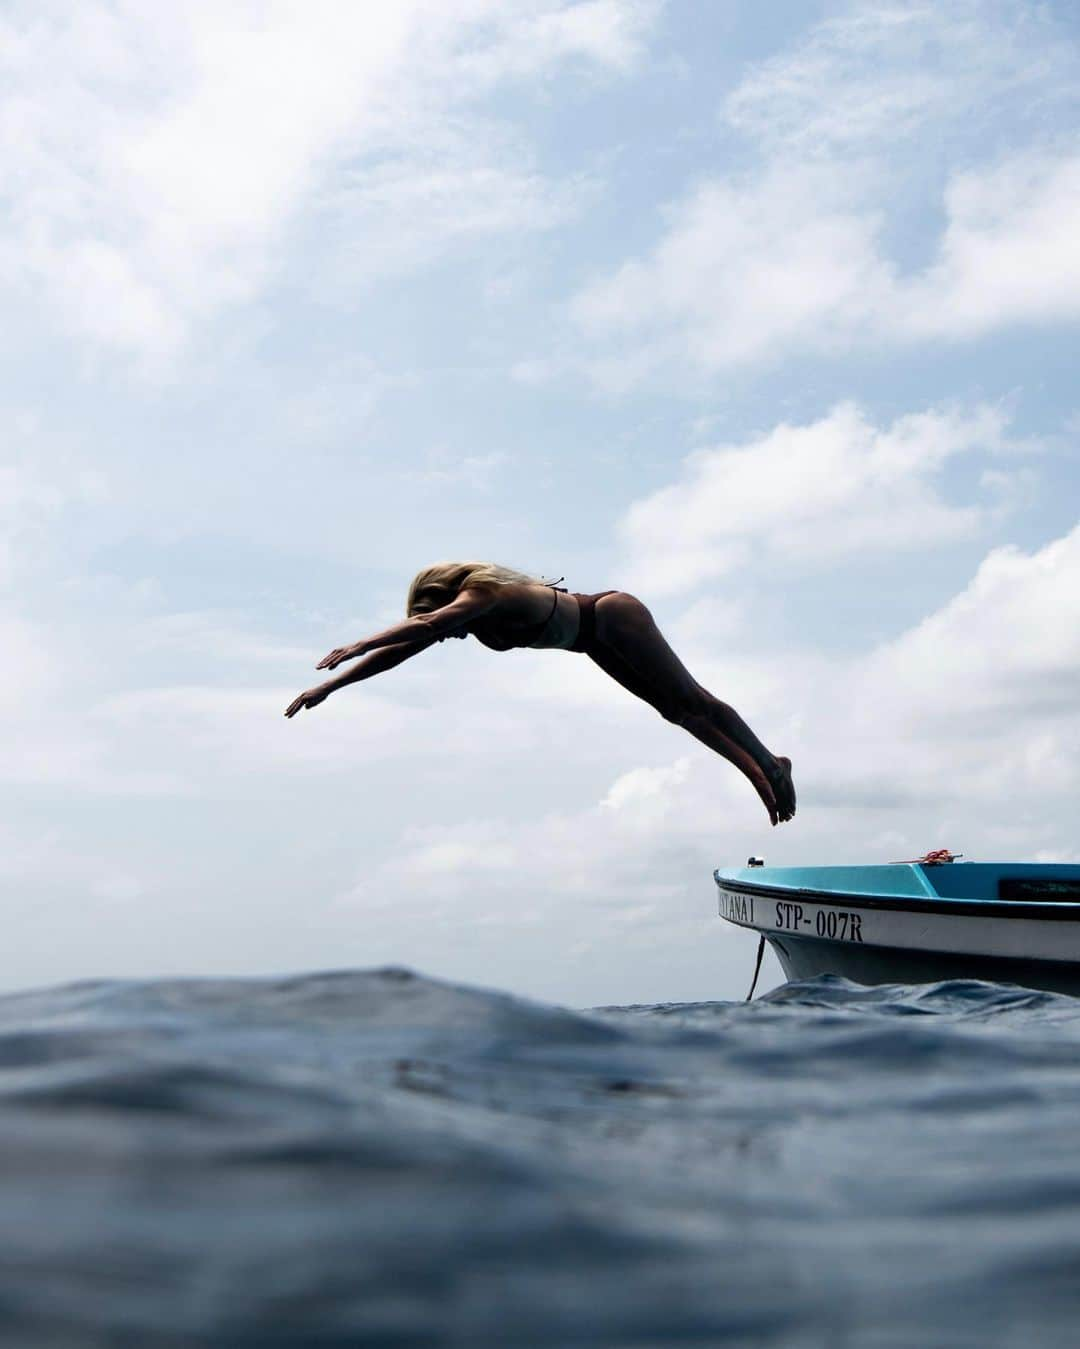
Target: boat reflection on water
915,922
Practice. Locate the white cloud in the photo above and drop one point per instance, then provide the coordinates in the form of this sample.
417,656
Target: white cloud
453,855
793,254
477,471
645,787
19,491
836,488
214,730
745,271
610,34
27,664
878,73
33,493
154,161
561,898
999,661
792,258
395,217
963,731
1010,252
157,156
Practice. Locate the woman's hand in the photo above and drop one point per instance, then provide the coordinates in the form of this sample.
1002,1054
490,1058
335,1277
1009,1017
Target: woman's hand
339,654
312,698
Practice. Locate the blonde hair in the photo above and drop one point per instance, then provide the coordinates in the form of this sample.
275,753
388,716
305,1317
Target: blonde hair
440,583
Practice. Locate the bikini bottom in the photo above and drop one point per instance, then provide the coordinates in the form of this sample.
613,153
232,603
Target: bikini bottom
586,636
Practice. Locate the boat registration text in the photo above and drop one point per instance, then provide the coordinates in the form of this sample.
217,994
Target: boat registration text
788,915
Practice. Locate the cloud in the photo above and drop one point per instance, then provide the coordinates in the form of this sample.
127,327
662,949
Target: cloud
962,731
156,161
645,788
549,899
973,713
1002,656
745,271
793,253
207,732
877,74
34,492
28,662
815,494
396,217
748,271
154,164
477,471
604,34
1008,254
49,740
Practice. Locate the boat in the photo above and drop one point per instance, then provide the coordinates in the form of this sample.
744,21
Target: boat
933,918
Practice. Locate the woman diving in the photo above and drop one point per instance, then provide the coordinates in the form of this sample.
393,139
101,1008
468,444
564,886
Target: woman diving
504,609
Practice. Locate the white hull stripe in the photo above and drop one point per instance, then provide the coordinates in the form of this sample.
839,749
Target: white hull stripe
860,924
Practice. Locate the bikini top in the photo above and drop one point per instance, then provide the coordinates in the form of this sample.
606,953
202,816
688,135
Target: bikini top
529,633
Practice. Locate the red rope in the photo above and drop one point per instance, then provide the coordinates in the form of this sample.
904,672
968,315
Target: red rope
932,859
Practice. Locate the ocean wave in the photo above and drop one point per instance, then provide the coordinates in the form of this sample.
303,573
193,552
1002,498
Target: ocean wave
377,1157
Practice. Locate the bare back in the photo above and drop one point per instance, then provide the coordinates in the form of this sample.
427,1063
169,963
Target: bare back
519,614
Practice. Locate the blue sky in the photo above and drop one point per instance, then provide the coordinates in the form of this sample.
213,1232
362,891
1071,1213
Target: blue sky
768,313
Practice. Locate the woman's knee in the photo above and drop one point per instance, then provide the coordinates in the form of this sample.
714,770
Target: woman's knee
682,708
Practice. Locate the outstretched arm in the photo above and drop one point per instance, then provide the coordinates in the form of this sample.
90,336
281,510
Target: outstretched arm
425,628
395,645
374,663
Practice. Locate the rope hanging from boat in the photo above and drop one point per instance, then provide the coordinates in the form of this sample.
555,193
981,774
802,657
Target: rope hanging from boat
757,966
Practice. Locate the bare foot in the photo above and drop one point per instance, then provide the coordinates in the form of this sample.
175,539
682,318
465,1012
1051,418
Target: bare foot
783,788
765,791
764,783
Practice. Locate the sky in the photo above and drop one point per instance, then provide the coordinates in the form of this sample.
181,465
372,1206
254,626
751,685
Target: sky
765,313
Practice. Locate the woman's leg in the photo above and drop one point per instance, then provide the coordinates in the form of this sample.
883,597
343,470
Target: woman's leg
632,650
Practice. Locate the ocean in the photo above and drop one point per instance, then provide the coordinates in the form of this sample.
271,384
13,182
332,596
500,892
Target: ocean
379,1158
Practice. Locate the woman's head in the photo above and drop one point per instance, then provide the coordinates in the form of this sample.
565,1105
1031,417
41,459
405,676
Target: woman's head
439,584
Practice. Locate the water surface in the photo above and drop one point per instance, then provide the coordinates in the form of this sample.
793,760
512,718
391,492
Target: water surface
376,1157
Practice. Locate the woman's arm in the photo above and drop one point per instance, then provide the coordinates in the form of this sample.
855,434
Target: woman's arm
395,645
374,663
428,628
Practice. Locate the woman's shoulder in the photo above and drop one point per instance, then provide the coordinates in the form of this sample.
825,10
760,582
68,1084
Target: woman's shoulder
504,593
513,602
